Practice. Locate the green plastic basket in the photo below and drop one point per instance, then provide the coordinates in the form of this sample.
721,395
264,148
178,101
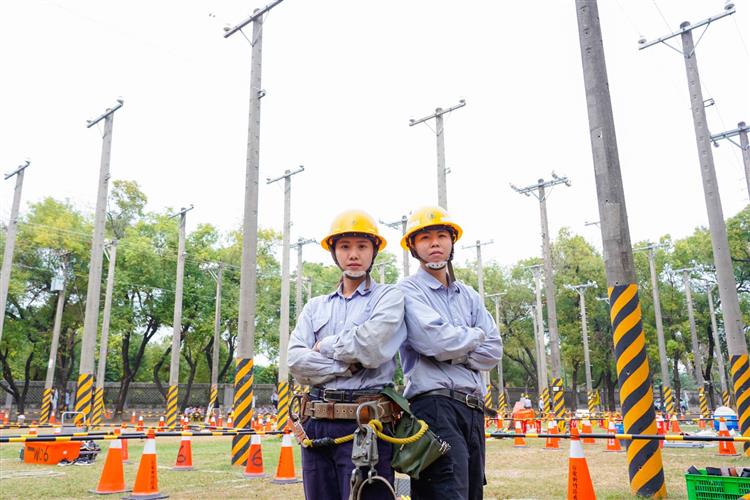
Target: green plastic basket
704,487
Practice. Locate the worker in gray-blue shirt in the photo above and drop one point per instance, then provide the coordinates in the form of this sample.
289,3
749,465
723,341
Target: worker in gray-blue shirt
451,338
344,346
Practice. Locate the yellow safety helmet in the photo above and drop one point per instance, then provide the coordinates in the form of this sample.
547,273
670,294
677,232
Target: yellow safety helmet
354,223
426,217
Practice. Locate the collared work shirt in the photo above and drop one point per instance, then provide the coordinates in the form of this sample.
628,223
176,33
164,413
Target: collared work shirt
366,328
451,336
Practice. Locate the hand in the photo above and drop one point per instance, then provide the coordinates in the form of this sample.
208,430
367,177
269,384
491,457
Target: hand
316,347
354,368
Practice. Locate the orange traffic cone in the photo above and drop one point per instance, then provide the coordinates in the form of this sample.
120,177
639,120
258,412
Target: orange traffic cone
254,467
132,418
285,470
161,423
661,428
612,443
220,422
52,418
586,426
113,478
701,423
230,424
184,455
124,443
579,479
552,443
726,448
519,441
139,427
675,425
147,481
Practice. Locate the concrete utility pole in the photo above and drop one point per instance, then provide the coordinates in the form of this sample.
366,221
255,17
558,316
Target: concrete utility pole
283,387
581,290
441,170
243,377
97,416
666,383
480,287
541,367
539,191
396,225
730,305
539,337
502,404
717,348
741,130
174,364
47,410
218,275
381,271
636,395
300,271
84,390
697,364
10,241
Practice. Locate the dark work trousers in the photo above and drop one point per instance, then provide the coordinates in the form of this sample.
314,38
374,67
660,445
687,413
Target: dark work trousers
327,472
459,474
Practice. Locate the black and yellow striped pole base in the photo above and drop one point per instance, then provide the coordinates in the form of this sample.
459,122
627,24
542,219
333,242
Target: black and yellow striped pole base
558,402
740,369
213,396
282,411
645,467
97,414
593,401
243,410
84,394
488,396
545,400
171,416
669,400
46,408
725,399
502,405
703,403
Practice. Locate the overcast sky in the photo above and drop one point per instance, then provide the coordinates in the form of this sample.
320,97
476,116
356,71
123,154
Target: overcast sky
343,78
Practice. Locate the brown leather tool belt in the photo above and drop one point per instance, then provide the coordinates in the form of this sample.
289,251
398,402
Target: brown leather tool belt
348,411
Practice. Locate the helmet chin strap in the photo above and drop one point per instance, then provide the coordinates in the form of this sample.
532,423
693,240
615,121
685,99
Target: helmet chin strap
354,275
436,265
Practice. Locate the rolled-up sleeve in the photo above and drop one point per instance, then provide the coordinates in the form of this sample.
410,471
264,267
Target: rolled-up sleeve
488,353
430,335
308,366
377,339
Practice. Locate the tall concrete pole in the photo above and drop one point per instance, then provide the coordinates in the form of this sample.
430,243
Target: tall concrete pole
730,306
480,289
84,390
745,146
243,377
741,131
541,348
300,272
441,181
214,394
581,290
539,190
636,395
174,364
46,410
663,361
97,416
283,385
10,241
440,137
402,225
717,348
697,363
501,399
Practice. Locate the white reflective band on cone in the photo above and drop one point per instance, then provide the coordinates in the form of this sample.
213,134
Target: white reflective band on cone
255,440
186,438
116,443
286,440
576,450
150,447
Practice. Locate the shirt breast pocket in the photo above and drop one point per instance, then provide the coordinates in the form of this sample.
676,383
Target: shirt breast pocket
320,326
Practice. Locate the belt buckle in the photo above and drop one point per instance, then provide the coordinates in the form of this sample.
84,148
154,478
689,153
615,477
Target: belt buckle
326,392
469,403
